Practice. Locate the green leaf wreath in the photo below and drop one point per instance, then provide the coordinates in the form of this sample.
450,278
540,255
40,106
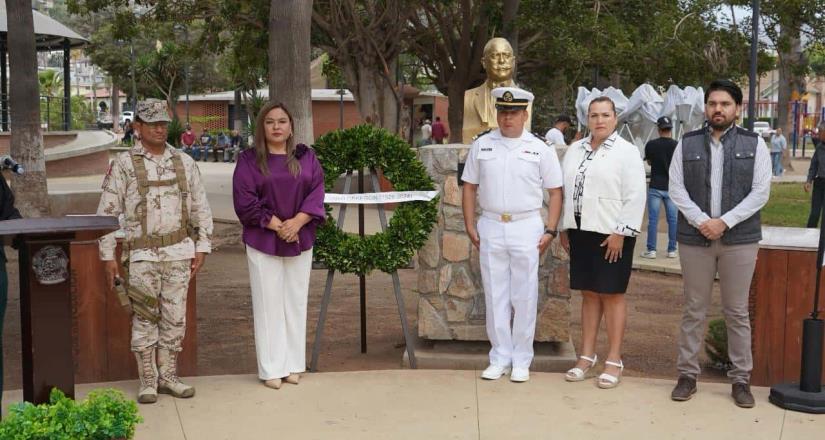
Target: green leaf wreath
369,147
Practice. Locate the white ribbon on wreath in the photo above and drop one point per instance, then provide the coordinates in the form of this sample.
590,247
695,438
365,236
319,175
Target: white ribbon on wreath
382,197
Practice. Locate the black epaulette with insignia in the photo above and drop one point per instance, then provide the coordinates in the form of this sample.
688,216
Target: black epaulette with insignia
482,133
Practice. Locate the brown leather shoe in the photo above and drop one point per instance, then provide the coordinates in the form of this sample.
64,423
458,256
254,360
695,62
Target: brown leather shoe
742,396
685,389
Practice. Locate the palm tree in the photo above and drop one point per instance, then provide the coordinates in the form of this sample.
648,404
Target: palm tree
26,137
51,82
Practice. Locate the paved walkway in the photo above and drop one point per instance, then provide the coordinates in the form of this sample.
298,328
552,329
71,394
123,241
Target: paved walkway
432,404
217,179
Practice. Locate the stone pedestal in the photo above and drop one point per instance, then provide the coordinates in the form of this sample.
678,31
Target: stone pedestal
451,301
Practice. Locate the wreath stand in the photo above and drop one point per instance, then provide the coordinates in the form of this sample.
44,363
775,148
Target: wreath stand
396,283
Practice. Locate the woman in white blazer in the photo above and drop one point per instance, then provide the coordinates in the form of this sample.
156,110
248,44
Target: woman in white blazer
604,201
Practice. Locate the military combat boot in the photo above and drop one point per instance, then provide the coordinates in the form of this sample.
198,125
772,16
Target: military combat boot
148,372
169,382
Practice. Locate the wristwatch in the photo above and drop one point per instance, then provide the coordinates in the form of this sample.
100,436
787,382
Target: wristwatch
553,232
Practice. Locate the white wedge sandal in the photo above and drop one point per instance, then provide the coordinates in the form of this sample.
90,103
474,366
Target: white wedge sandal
607,381
576,374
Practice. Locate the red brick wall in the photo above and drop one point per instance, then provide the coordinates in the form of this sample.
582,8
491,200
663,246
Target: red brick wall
325,115
216,111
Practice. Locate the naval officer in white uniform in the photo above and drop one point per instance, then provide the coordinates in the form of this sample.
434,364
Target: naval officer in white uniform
507,169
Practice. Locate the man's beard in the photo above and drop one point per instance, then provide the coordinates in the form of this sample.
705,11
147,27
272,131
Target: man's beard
720,126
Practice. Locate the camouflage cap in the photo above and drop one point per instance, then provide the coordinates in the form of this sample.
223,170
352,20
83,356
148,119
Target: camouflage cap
152,110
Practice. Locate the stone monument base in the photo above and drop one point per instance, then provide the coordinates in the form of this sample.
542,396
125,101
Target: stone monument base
550,357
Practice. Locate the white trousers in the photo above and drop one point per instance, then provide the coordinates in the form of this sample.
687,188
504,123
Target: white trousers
509,260
280,287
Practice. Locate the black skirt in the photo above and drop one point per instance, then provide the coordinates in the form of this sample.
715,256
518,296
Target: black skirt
588,268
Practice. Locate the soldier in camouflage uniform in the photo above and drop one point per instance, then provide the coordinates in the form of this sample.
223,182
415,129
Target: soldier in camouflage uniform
158,194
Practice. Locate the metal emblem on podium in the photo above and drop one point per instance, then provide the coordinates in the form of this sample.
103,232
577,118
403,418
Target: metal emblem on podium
50,265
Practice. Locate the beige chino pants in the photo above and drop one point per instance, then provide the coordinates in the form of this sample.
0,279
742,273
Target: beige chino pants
735,264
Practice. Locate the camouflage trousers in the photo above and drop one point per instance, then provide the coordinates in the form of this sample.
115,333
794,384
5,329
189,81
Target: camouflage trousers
168,281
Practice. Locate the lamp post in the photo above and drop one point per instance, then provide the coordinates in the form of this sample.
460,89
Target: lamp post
186,66
752,78
132,73
341,93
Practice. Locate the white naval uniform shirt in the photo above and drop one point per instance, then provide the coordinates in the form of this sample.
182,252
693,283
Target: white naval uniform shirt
511,172
554,136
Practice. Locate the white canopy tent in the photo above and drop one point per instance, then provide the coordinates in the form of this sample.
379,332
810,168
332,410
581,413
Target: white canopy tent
686,107
637,115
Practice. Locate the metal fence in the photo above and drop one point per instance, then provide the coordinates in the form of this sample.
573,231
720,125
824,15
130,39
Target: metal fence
52,114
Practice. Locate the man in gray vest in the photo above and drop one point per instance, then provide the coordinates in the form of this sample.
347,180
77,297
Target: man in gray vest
720,178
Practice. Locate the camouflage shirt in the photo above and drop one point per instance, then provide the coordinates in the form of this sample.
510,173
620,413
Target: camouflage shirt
121,198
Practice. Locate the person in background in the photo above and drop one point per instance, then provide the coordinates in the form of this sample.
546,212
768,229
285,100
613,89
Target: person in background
426,133
278,193
204,145
439,131
221,146
816,178
230,154
7,212
187,140
128,133
658,153
720,178
555,136
778,145
604,202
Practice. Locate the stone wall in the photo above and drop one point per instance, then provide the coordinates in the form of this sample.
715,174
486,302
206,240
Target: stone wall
451,297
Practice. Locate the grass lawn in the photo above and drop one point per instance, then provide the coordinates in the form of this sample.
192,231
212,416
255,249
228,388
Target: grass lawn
789,205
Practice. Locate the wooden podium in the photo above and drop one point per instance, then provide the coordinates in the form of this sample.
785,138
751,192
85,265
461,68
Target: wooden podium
781,295
46,297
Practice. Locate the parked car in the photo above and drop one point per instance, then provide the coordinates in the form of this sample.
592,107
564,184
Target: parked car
762,128
104,121
125,117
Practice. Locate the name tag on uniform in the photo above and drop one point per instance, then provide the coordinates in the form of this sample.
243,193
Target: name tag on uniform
486,153
486,149
529,155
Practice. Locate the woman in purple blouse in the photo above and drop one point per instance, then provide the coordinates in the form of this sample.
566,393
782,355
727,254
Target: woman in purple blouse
278,190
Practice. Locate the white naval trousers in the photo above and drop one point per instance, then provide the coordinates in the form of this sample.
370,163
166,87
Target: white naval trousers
280,287
509,260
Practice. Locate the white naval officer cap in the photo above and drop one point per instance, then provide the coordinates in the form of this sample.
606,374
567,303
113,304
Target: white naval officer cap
512,98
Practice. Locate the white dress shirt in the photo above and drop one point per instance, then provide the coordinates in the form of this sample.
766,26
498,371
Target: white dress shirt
555,137
753,202
511,172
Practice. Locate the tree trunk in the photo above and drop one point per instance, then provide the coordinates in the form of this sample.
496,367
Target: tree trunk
455,110
790,80
115,110
374,96
26,137
237,124
510,28
289,57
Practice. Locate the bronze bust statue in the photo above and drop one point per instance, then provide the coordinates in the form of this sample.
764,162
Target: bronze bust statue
479,105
